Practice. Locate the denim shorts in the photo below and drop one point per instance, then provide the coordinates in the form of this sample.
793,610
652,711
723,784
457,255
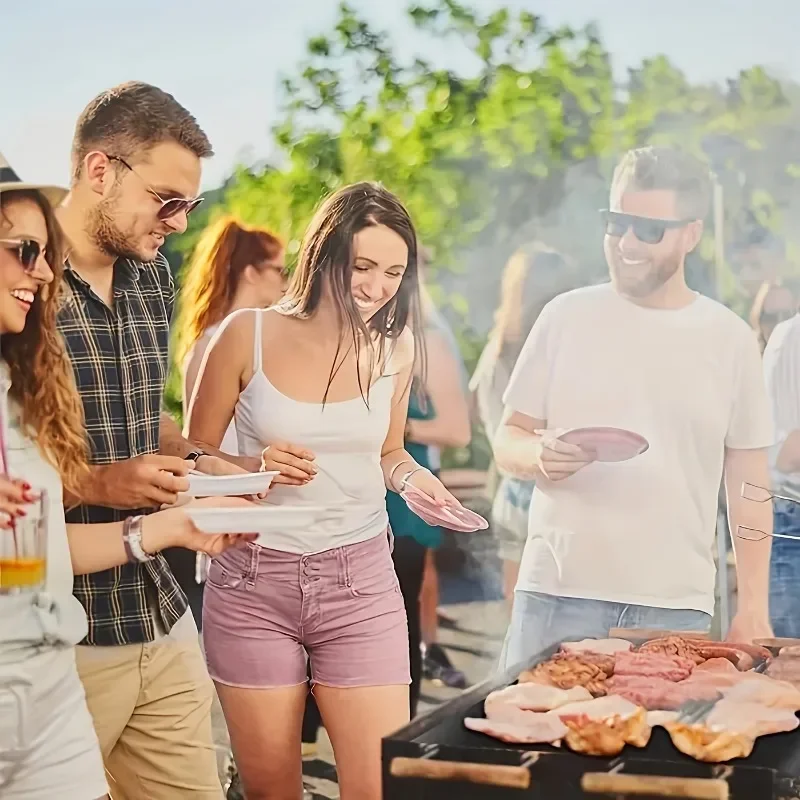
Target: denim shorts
784,572
267,613
541,620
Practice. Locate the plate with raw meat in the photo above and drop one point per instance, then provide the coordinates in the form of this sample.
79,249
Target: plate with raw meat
607,444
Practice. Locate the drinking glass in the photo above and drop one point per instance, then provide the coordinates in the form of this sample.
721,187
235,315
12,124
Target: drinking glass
23,551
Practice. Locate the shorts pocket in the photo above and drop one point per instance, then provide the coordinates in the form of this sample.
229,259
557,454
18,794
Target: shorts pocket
371,574
234,569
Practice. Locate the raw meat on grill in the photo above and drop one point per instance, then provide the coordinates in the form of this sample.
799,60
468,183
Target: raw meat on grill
672,668
601,708
767,692
544,729
514,702
716,666
730,730
675,646
568,671
605,646
785,668
790,651
743,656
655,693
750,719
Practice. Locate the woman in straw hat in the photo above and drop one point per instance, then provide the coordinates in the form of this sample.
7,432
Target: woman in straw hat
48,747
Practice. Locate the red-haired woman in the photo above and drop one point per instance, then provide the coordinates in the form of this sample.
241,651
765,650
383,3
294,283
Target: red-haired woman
234,266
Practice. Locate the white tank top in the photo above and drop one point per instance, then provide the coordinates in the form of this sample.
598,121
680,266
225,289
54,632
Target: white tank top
346,438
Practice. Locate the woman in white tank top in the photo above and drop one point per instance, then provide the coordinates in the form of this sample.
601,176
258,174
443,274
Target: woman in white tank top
322,381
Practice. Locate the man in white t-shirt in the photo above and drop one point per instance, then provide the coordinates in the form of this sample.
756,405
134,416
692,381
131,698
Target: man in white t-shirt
630,544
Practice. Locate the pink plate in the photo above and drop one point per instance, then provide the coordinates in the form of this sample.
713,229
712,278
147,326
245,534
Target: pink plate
454,518
607,444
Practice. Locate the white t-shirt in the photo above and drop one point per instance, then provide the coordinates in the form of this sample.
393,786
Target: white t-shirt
690,381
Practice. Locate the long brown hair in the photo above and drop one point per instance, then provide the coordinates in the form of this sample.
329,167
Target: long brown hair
327,255
760,319
533,276
42,381
211,278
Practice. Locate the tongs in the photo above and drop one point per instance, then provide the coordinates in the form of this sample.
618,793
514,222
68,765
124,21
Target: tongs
695,711
758,494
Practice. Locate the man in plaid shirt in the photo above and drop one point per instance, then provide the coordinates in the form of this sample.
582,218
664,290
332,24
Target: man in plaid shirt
136,163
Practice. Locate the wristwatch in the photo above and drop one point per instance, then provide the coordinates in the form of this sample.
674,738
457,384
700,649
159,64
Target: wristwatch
194,456
132,539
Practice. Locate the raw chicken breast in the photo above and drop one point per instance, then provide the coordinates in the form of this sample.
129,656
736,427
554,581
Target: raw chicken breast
767,692
598,709
527,697
750,719
545,729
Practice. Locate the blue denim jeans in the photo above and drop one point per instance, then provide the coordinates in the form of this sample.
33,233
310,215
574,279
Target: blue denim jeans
784,572
541,620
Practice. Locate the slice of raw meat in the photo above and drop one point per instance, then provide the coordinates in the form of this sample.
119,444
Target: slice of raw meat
769,693
659,694
673,668
605,646
546,730
716,666
599,709
750,719
530,697
785,668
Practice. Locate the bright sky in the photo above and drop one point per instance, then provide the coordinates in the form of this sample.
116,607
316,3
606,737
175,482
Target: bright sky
223,60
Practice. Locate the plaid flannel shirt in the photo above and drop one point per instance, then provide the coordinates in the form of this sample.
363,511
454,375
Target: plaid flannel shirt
120,360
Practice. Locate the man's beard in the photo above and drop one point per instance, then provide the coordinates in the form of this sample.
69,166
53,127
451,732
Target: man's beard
106,234
649,282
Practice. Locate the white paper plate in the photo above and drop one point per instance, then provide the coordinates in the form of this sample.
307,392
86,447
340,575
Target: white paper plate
264,519
201,485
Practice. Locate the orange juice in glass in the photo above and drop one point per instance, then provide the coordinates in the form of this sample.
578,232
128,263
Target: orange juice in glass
23,551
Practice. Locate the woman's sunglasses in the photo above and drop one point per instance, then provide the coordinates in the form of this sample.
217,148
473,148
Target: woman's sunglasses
645,229
169,208
27,251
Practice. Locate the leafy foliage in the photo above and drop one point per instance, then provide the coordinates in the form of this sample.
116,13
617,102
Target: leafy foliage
520,146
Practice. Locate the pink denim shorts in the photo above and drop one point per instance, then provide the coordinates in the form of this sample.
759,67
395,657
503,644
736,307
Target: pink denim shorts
267,613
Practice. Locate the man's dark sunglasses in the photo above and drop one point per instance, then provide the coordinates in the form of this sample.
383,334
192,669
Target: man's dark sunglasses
646,229
169,208
27,251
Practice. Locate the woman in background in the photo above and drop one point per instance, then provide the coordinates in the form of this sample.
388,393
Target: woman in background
533,276
773,303
438,417
233,266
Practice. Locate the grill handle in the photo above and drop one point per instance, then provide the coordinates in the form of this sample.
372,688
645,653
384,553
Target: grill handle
655,786
486,774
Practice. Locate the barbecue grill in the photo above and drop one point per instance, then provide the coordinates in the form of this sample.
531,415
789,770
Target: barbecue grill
437,758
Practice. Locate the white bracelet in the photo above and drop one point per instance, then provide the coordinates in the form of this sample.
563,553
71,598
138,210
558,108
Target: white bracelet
407,476
395,468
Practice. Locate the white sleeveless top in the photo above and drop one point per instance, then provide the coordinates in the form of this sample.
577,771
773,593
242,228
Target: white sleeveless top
346,437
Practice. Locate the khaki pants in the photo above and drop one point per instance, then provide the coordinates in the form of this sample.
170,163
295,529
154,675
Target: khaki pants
151,706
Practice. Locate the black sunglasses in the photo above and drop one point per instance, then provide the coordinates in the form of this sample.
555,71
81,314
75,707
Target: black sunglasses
27,250
646,229
169,208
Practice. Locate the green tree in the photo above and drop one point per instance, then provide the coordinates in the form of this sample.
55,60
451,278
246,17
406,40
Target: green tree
519,147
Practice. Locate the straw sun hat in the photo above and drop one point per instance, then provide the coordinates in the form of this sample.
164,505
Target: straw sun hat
11,182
